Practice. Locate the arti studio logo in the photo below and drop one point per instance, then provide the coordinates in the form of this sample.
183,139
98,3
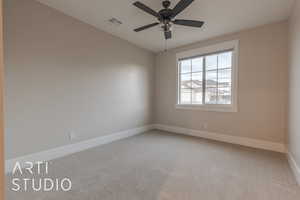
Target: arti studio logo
20,182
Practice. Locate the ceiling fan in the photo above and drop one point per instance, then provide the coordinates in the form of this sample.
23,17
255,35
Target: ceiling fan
166,16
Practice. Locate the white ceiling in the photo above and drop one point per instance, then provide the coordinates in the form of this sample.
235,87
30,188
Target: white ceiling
220,16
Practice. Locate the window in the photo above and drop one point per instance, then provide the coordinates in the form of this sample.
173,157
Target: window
207,78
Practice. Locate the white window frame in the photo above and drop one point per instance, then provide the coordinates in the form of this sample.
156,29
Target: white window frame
228,45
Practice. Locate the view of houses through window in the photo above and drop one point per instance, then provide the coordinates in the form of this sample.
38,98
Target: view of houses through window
206,79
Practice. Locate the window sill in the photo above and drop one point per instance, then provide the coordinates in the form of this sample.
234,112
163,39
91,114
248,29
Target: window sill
209,108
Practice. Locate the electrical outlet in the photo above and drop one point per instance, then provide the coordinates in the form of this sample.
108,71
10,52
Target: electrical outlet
72,135
205,126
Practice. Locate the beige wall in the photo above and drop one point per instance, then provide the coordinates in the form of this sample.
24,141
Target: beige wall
262,87
294,84
63,75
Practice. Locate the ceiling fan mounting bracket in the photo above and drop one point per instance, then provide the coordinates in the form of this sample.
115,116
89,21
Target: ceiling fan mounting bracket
166,4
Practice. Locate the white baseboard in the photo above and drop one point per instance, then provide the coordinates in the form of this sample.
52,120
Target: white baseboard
81,146
294,166
259,144
73,148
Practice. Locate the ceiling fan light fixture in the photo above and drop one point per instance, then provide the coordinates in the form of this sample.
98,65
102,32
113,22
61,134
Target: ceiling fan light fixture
166,27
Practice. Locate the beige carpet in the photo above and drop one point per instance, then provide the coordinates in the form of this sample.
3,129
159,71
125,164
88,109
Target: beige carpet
162,166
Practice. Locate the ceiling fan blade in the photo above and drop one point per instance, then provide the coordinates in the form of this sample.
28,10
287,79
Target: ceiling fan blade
192,23
145,27
146,9
180,7
168,35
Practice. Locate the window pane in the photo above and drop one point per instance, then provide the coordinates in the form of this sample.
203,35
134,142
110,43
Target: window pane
186,80
224,95
211,87
225,60
211,95
197,80
197,64
186,66
197,96
185,96
224,78
211,62
211,78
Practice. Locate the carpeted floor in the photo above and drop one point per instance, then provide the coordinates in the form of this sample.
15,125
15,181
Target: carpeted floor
163,166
